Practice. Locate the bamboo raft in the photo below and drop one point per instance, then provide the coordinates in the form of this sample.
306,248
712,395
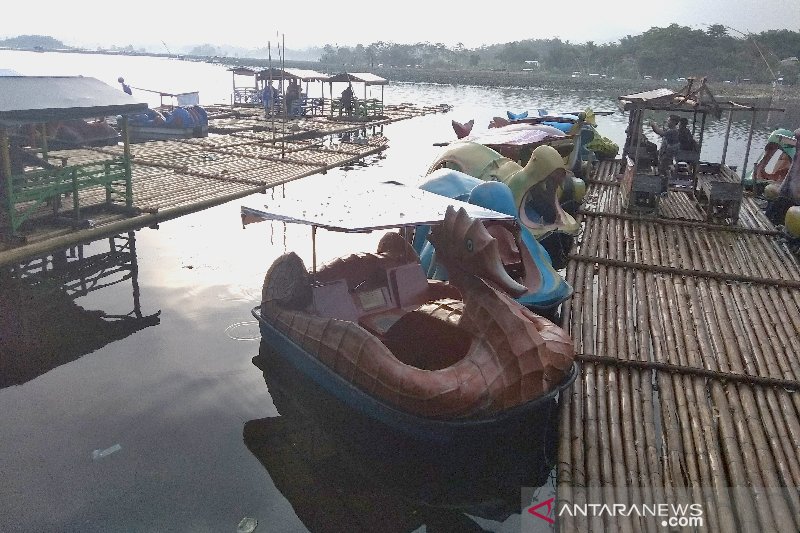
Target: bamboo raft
248,153
688,336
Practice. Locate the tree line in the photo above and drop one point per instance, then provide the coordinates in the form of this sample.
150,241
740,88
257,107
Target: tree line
672,52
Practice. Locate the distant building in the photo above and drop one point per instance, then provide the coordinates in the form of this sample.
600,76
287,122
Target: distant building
531,65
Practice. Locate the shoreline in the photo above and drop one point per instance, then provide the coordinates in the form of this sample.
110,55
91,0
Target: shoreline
785,97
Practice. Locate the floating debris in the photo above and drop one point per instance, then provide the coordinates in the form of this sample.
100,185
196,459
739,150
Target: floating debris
99,454
247,525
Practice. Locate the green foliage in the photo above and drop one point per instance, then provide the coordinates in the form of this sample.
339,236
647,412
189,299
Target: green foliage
671,52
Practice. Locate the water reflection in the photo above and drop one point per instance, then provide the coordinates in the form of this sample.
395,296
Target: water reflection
43,327
343,472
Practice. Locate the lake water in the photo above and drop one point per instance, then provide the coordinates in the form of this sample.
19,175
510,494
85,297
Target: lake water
130,397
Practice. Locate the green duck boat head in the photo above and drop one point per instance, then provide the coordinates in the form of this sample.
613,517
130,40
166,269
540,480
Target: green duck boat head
536,186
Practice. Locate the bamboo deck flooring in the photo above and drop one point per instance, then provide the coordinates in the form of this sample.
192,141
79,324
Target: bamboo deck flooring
676,322
248,154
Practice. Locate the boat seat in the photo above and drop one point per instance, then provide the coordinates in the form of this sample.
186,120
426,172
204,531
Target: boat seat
687,156
381,322
408,288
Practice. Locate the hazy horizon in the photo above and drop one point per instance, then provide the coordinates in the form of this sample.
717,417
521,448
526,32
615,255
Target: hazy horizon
318,24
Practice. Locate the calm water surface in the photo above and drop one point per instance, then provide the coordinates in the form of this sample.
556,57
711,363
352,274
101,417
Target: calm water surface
142,350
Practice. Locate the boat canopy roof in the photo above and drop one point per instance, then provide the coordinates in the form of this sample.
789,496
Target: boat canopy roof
378,206
511,135
693,96
361,77
243,71
37,99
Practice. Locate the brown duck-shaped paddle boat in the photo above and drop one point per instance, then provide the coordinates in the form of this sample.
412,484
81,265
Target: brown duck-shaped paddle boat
436,359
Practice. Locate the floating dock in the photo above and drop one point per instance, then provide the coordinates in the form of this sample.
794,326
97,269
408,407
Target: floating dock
245,153
687,333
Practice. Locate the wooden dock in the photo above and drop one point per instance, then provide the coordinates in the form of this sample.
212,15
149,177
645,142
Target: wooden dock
687,333
244,153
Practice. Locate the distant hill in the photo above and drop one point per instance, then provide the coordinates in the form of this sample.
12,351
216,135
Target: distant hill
29,42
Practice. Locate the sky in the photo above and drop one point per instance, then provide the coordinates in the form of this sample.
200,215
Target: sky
252,24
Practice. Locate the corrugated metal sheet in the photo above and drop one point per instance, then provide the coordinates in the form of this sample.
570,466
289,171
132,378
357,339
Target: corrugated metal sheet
361,77
25,99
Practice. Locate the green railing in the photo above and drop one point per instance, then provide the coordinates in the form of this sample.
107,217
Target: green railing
370,107
26,193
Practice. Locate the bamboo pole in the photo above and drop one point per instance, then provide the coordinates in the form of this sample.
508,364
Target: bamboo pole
636,435
567,466
749,141
744,512
727,136
579,468
721,341
786,461
673,387
614,389
756,432
658,268
670,429
720,506
606,471
591,433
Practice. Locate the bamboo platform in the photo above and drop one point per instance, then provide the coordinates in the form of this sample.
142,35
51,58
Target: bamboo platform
248,154
688,336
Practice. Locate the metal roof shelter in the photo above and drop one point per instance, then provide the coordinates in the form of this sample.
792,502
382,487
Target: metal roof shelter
32,100
360,77
38,99
298,74
270,74
696,98
252,93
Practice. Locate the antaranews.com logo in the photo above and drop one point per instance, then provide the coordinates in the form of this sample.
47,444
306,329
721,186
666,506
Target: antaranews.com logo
667,514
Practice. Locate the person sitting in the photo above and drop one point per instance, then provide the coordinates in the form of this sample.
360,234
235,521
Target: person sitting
685,139
292,96
648,151
348,99
669,143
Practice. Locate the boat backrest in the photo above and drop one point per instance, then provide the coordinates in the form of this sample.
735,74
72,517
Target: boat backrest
334,300
409,284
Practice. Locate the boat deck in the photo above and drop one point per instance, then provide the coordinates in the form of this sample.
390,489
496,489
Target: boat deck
244,153
688,336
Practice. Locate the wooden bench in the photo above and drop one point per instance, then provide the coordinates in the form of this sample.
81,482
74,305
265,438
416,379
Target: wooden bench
370,107
25,193
336,106
310,106
246,95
